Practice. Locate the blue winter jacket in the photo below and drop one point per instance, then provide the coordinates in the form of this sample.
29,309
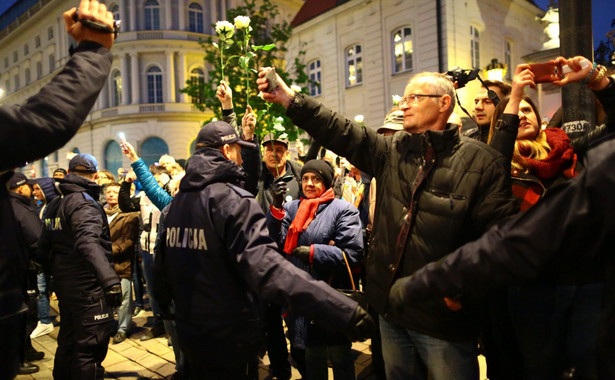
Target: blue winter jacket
216,260
159,197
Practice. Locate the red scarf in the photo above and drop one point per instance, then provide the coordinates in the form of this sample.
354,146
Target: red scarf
305,215
561,158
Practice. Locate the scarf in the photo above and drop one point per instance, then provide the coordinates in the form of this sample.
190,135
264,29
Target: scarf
561,158
305,215
111,211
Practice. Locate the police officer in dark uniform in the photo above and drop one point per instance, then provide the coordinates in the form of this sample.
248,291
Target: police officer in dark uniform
215,260
76,239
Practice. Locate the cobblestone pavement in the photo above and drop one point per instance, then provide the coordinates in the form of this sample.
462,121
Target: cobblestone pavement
154,358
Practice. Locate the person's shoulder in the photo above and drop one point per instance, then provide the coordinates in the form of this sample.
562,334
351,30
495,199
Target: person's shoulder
243,193
472,146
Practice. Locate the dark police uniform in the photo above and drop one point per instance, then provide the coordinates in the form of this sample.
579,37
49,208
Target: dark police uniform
76,231
215,258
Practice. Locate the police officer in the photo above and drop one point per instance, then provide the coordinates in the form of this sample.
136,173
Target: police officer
215,259
76,231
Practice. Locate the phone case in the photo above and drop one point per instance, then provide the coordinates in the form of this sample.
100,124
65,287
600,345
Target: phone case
546,72
273,84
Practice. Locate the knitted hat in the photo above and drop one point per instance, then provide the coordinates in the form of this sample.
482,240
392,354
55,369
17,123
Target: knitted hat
323,169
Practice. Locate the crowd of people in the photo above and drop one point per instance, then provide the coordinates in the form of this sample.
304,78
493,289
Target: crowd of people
495,240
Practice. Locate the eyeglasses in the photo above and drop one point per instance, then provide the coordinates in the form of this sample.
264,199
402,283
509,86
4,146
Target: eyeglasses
413,97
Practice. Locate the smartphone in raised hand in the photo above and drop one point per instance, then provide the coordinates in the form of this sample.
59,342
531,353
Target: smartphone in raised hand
273,83
547,72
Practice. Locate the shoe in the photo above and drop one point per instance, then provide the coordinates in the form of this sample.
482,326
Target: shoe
119,337
27,368
41,329
154,332
137,311
32,355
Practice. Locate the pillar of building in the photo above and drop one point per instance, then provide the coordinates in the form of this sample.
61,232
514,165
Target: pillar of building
124,76
169,93
134,78
182,75
181,8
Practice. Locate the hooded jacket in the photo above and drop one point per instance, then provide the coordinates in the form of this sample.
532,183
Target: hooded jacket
442,190
76,231
48,188
30,131
224,261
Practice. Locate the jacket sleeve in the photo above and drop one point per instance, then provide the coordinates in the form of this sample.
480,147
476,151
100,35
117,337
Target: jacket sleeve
362,146
505,135
125,201
240,222
607,98
348,238
252,165
130,233
87,226
572,216
50,118
152,189
495,200
31,228
229,116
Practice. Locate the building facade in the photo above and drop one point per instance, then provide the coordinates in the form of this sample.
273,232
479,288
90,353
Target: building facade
156,52
363,52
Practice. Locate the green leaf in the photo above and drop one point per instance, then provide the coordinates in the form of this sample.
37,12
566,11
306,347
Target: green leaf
250,55
257,47
268,47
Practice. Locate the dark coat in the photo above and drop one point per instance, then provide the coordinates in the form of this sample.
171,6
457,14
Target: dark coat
223,262
456,188
124,231
31,131
30,228
76,231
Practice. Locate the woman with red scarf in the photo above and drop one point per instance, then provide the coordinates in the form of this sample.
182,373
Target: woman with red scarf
321,235
556,318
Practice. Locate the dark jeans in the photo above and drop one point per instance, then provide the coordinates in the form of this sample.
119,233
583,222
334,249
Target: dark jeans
137,280
557,328
276,342
341,360
148,260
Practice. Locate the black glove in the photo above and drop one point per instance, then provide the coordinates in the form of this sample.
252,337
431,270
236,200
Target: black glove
114,295
278,191
397,295
302,252
360,327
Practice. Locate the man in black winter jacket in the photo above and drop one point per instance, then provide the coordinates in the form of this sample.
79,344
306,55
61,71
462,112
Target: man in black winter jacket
435,192
215,260
33,130
77,244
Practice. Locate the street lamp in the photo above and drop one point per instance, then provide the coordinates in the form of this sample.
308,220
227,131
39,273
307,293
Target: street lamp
495,70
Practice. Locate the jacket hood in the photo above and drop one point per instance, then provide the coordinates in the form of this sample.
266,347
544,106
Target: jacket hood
73,183
48,187
207,166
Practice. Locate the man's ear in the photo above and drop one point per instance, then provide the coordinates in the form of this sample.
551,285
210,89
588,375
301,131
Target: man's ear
226,151
446,103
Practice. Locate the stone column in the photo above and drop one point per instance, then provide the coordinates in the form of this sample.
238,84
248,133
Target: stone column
133,15
134,78
181,8
124,76
182,75
169,94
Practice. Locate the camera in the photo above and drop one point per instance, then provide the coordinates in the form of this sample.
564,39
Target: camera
462,76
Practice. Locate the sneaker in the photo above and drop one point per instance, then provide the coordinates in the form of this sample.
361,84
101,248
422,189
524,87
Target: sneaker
154,332
27,368
41,329
137,311
31,355
119,337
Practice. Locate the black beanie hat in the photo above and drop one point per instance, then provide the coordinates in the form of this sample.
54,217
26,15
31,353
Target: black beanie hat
322,169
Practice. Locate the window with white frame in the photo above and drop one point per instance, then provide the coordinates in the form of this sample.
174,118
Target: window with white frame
52,63
197,78
154,85
314,73
27,73
475,46
115,10
195,17
50,33
508,59
116,88
39,70
402,49
152,15
16,80
354,66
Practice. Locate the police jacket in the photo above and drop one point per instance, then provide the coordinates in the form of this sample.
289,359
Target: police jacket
435,192
216,260
76,231
30,228
30,131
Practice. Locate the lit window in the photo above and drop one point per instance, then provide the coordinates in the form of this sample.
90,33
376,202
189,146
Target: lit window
475,47
152,15
314,74
195,16
354,66
197,78
402,50
154,85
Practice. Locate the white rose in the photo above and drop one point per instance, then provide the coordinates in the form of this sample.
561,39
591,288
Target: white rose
396,99
295,88
279,127
283,136
225,29
359,118
242,22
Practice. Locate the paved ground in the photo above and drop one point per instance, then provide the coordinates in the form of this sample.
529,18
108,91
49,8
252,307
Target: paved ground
133,359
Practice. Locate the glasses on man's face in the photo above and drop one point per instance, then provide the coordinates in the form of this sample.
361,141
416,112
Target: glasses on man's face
413,97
